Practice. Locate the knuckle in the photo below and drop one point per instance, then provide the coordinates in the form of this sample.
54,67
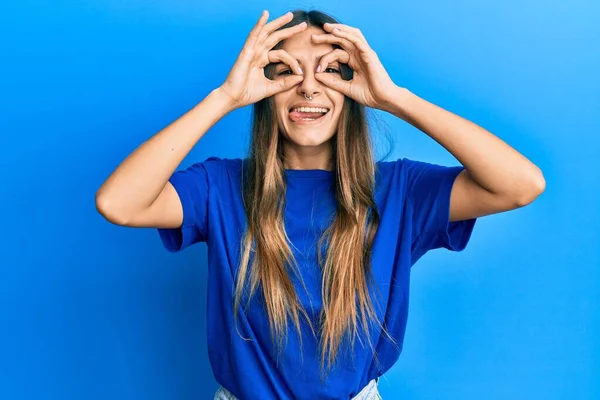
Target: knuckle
247,55
277,36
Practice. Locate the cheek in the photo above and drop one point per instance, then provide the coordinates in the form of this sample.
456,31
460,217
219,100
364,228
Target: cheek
282,116
337,98
339,110
280,111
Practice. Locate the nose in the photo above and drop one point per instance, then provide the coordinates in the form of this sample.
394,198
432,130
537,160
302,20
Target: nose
310,86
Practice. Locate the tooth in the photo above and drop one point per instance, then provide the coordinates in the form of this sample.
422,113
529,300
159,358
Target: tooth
311,109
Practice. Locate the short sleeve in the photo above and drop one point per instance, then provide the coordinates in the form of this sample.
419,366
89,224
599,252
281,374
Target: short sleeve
429,187
192,187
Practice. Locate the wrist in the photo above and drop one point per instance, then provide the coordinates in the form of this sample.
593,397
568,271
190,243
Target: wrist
223,99
397,101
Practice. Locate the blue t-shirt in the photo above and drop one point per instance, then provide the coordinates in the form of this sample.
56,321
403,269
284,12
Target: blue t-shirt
413,200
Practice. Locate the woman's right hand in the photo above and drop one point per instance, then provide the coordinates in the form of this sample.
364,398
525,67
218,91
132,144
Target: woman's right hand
246,82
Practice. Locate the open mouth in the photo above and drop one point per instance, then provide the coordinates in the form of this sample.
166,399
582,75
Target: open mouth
307,114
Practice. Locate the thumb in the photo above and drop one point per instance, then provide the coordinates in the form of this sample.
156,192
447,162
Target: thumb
334,82
286,83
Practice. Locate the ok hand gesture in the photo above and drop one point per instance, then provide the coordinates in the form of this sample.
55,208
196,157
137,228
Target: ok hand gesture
246,82
371,85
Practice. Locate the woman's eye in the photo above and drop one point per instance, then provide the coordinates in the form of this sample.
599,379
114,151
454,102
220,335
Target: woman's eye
285,71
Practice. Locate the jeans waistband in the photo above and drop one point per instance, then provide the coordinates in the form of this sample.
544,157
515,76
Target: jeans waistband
369,392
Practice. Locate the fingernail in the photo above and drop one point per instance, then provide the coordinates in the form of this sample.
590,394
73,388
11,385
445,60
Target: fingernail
301,72
319,68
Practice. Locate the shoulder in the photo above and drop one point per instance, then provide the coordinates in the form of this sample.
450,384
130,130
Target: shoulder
384,168
400,165
397,171
407,168
215,165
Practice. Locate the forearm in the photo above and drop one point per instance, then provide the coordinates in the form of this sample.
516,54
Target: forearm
492,164
139,179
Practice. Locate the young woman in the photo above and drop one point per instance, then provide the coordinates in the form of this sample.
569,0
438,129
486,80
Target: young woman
310,241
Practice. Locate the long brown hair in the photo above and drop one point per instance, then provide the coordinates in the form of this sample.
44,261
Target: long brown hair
346,269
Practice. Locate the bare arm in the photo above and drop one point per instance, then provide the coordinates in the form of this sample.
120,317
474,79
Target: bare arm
138,192
496,178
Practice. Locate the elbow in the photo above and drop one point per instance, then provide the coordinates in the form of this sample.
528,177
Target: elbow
532,189
108,210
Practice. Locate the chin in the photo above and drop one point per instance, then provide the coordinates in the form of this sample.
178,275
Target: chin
307,138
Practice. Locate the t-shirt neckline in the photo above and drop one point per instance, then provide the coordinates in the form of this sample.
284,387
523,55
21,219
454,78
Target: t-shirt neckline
309,173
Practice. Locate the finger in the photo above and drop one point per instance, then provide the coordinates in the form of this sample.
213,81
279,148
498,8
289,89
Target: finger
274,25
357,40
278,36
330,38
255,32
284,84
334,82
336,55
281,55
329,27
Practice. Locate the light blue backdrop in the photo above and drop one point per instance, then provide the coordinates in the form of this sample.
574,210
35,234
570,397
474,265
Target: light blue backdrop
95,311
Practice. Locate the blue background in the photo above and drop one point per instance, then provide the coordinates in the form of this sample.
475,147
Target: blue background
91,310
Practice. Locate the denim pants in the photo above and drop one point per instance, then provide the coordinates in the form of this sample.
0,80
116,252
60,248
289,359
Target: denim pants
369,392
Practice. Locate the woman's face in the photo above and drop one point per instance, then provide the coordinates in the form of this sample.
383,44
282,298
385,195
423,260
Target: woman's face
311,135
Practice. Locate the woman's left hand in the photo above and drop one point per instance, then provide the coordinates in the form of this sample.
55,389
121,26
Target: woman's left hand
371,85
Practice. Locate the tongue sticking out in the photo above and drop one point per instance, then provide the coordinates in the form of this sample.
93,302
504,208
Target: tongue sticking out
297,116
